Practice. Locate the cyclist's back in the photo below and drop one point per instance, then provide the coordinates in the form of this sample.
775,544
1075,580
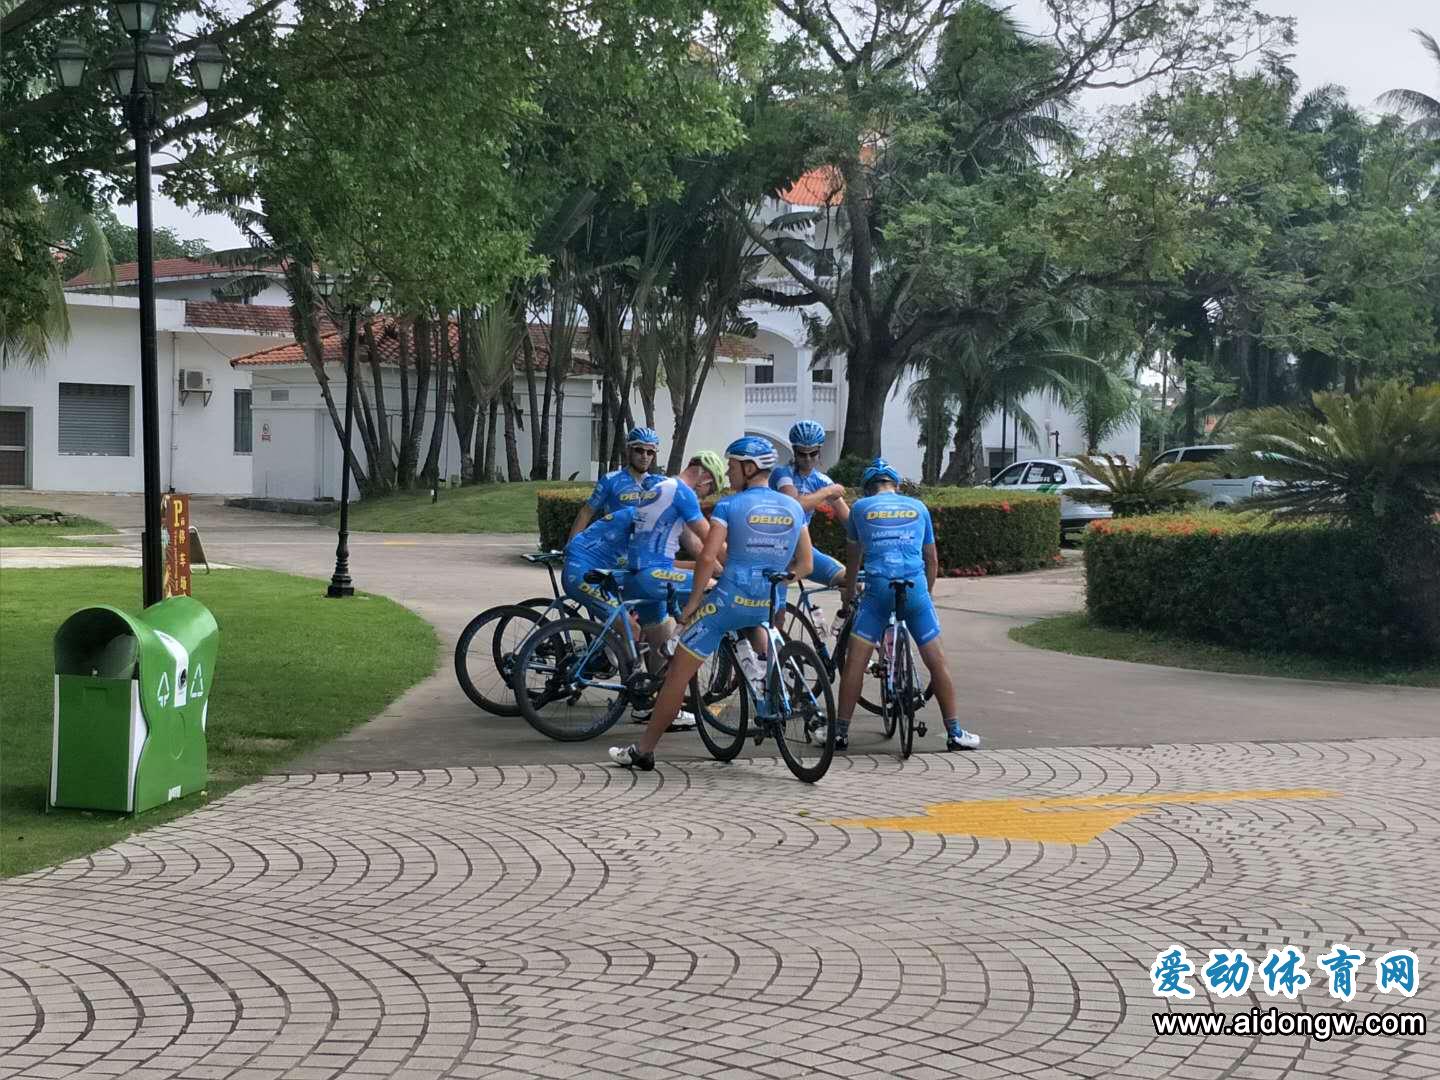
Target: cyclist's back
893,530
764,527
600,546
660,514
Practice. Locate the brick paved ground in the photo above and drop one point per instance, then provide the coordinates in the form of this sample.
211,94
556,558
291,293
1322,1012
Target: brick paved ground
575,920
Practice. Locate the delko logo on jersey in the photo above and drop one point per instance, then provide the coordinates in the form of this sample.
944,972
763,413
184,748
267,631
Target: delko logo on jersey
891,517
638,496
772,520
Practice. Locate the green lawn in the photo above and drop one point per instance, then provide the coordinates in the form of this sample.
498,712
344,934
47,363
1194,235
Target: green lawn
295,669
47,535
1074,634
487,508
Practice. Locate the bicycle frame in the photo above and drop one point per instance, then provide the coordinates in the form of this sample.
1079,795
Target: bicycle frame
620,612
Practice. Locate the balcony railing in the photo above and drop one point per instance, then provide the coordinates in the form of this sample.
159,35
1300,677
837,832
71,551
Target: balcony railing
780,397
824,394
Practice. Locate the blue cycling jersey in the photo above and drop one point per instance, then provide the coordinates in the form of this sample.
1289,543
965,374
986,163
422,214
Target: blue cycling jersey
602,545
811,482
891,529
617,490
764,527
660,514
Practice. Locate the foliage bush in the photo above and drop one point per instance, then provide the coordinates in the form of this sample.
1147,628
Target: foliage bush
977,530
1135,490
848,470
1243,580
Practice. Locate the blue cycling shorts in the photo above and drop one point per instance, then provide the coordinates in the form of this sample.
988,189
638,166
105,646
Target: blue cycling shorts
879,601
725,609
598,603
826,571
653,585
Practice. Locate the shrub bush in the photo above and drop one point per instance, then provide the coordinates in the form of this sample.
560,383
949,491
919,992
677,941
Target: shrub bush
977,530
1240,580
848,470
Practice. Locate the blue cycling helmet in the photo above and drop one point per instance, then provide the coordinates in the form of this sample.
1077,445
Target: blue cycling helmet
807,433
753,448
878,470
642,436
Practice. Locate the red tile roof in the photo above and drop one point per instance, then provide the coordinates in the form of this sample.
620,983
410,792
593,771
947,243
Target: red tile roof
269,319
129,273
818,187
387,345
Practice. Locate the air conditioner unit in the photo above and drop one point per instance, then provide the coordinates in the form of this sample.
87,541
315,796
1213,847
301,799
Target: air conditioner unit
194,381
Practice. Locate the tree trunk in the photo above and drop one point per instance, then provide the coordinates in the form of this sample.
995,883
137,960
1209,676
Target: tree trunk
410,452
512,449
489,433
603,444
540,467
871,379
404,479
382,415
961,469
464,407
442,404
556,463
1187,371
537,434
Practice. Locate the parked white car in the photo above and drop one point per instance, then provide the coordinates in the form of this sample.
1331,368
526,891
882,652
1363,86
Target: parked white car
1052,476
1219,491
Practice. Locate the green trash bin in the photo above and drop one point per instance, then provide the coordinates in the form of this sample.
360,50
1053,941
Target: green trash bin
132,694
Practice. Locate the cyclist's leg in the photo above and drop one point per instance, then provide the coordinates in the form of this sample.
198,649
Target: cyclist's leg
871,618
696,645
924,625
652,586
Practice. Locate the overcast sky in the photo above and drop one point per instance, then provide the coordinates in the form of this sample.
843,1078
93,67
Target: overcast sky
1364,46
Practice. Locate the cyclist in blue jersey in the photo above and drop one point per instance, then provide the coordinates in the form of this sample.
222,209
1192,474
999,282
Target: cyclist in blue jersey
667,515
893,535
806,483
601,546
623,487
760,530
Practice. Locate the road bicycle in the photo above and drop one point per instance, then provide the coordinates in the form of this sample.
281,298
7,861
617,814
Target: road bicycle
794,705
900,693
485,652
573,678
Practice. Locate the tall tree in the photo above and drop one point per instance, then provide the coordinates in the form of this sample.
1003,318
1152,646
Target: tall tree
1424,107
854,100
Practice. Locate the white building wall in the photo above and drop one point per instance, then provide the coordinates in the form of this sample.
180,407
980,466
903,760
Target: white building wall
301,458
719,420
197,452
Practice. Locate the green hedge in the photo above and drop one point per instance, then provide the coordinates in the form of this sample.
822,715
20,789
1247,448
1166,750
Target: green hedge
1239,580
977,530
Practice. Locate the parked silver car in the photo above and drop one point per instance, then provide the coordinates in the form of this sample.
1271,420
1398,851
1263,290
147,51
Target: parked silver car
1052,476
1222,490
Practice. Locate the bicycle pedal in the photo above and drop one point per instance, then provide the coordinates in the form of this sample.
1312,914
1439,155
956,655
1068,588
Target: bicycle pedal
920,730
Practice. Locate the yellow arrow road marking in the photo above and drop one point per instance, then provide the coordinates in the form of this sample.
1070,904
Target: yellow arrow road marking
1076,820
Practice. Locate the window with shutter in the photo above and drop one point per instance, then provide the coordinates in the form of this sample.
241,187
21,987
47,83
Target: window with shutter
95,419
244,423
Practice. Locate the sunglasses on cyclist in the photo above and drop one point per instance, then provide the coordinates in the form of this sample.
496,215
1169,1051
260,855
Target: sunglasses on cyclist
806,453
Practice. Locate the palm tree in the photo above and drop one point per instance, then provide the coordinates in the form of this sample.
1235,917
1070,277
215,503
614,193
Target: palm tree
1424,107
1373,458
1142,488
69,231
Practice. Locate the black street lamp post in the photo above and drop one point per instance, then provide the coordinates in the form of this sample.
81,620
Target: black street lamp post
137,75
340,583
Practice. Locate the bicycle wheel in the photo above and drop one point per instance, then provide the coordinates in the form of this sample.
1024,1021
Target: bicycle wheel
541,605
795,725
904,705
722,722
485,656
547,680
842,648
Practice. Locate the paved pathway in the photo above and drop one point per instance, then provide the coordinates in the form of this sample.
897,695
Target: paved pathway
715,921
